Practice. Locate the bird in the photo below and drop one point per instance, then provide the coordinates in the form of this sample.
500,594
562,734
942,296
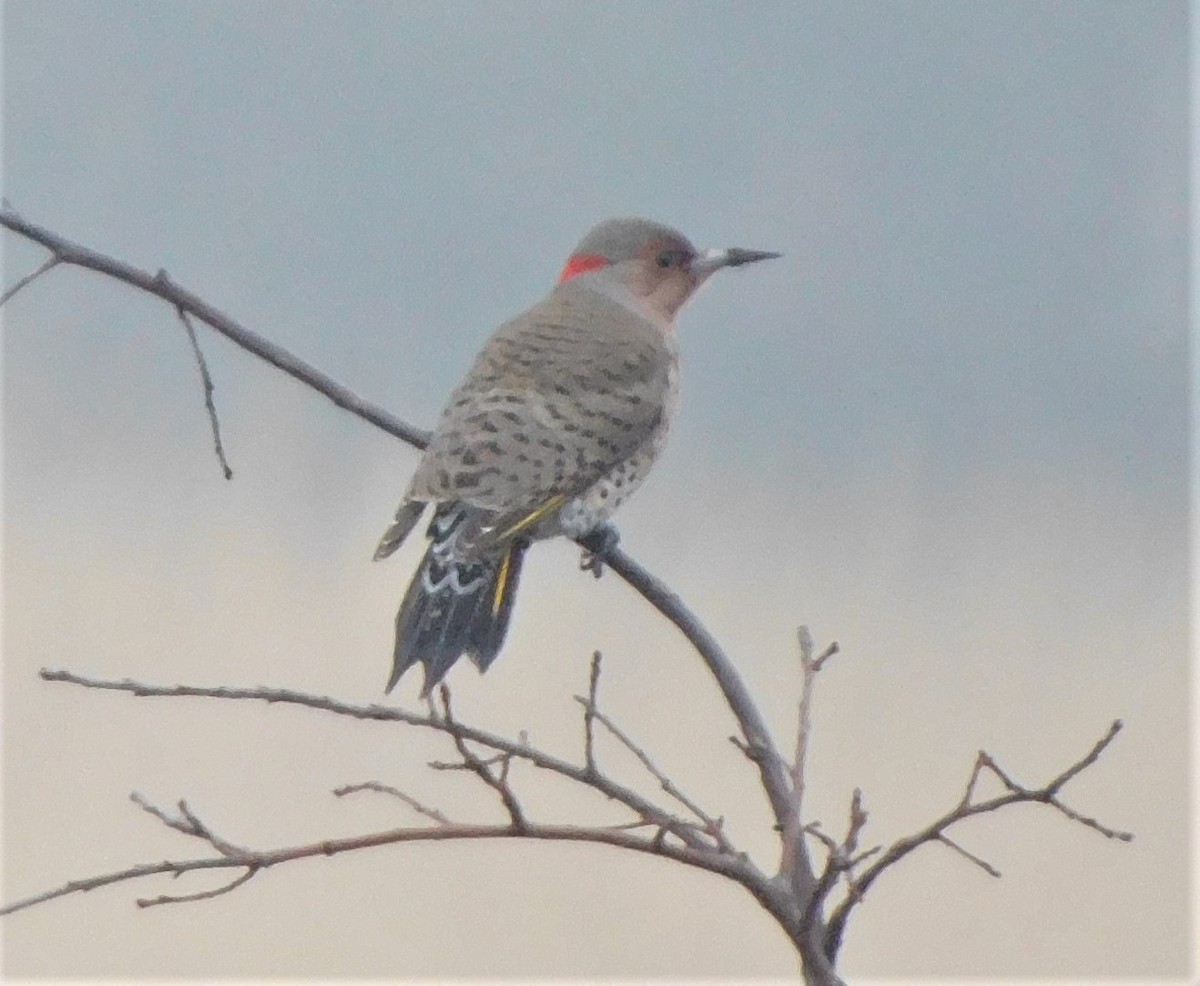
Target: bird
559,419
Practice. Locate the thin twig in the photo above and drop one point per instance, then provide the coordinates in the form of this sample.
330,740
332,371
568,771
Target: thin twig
759,747
498,782
734,867
712,826
1092,756
639,805
793,861
983,864
177,296
206,377
394,792
189,824
840,856
828,841
966,808
589,714
51,262
251,872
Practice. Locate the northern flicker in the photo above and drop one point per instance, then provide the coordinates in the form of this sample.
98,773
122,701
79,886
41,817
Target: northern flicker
557,422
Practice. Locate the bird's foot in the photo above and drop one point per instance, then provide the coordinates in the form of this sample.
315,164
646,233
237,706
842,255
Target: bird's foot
597,544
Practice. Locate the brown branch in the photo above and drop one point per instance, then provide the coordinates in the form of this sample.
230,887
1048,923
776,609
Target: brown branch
498,782
589,714
67,252
840,857
758,745
793,861
795,903
206,379
394,792
189,824
983,864
257,860
251,872
711,826
967,808
434,720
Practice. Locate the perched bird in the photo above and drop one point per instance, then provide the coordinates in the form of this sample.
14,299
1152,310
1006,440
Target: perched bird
557,422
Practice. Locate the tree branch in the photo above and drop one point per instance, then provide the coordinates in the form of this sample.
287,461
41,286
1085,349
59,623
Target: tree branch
65,251
642,807
51,262
758,744
206,379
712,826
967,808
254,861
794,861
394,792
498,781
589,714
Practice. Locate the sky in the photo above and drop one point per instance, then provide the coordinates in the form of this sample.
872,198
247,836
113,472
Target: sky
949,429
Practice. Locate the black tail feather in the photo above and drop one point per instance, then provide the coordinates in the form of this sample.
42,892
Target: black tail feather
489,623
453,608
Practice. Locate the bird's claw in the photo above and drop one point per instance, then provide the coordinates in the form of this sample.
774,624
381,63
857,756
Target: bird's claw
597,544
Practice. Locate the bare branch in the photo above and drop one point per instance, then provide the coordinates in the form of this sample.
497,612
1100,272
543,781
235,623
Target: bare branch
178,297
840,857
51,262
434,720
758,746
218,447
825,655
711,826
797,901
189,824
794,864
828,841
1090,758
120,876
497,782
254,861
589,714
983,864
251,872
968,808
394,792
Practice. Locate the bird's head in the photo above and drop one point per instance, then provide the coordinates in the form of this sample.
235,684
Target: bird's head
653,263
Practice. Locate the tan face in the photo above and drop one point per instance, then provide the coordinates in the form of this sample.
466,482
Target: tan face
665,275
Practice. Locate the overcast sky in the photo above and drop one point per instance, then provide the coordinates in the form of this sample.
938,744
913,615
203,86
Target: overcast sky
948,429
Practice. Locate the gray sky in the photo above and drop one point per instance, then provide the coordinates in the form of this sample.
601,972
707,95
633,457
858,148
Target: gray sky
949,430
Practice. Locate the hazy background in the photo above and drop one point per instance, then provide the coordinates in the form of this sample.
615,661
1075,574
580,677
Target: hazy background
947,430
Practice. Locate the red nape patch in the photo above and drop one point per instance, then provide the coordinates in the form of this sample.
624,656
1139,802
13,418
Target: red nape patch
581,263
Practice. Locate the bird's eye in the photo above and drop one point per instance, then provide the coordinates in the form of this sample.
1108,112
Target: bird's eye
672,258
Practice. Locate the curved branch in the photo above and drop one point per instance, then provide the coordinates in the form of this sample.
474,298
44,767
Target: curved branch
64,251
255,861
1047,794
759,745
690,834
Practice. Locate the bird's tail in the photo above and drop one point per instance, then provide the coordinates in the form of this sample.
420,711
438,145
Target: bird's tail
455,607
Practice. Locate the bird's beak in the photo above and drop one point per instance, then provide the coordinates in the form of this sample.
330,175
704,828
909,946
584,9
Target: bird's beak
714,260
